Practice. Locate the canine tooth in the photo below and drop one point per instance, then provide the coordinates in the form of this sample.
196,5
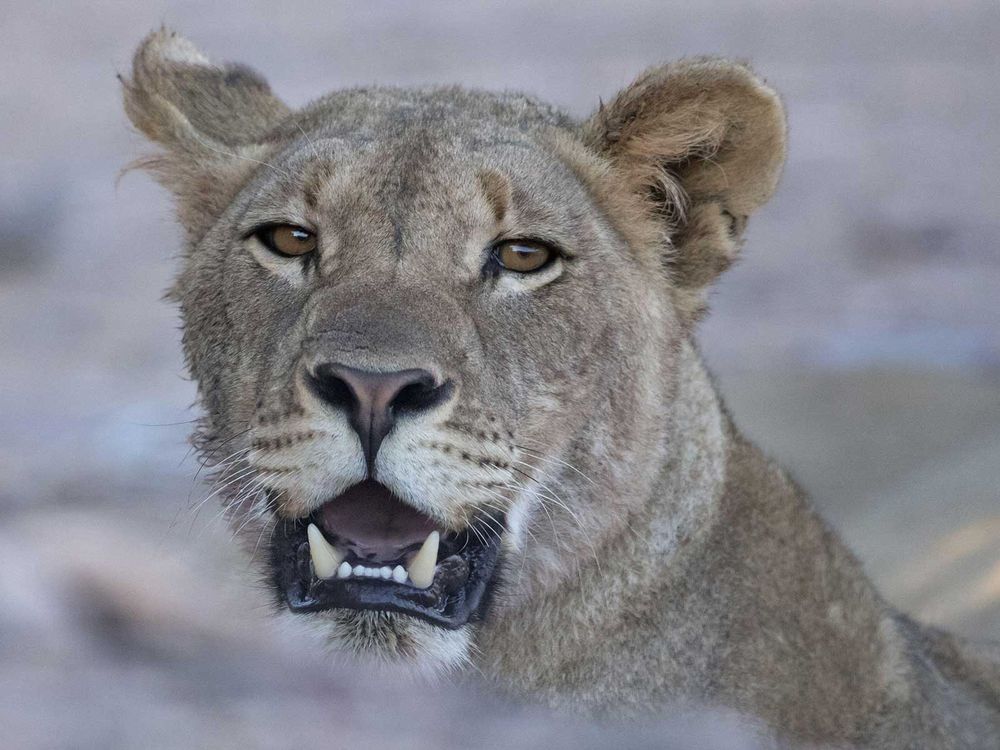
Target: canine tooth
421,567
385,571
325,557
344,571
399,574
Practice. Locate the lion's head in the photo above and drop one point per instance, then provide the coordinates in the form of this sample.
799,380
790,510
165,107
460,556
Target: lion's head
436,332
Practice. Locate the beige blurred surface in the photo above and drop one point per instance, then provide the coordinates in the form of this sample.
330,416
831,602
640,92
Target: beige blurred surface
858,341
907,466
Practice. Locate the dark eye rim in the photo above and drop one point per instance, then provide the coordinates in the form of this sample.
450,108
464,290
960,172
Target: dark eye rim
555,253
264,234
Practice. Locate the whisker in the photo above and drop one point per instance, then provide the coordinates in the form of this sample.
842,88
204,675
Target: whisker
553,495
201,466
555,532
246,492
163,424
239,475
206,456
547,495
273,525
478,534
234,155
311,142
543,457
251,515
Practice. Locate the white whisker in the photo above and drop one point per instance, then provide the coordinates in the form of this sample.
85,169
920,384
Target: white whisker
559,461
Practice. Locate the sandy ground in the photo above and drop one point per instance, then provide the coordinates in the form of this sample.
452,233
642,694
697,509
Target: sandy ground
859,342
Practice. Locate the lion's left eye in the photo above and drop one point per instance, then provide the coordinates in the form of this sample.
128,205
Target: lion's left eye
523,256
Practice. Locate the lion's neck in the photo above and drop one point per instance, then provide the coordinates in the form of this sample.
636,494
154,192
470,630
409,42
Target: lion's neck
673,494
684,498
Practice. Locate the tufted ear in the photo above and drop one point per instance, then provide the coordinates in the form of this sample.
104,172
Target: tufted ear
703,142
212,120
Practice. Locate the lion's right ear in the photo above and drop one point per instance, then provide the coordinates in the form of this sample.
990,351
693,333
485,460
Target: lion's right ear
212,120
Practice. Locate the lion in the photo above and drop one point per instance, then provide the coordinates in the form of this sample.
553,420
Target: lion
444,340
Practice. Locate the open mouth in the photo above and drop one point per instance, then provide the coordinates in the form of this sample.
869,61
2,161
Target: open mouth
366,549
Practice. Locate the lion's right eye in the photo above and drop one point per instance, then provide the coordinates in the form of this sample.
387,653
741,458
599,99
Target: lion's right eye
286,239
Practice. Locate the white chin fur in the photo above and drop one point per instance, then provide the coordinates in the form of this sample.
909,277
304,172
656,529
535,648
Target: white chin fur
374,639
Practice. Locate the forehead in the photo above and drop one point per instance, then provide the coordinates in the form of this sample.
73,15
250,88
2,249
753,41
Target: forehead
395,159
435,139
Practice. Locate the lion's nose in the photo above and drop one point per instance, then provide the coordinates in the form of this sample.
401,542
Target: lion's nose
374,400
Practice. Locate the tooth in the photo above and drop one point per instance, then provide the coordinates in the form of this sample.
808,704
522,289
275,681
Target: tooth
325,557
344,571
386,572
359,570
421,567
399,574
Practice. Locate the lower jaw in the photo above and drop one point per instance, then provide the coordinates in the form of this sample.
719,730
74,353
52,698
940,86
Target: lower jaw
443,604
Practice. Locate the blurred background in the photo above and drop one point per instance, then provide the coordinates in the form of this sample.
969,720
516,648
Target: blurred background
858,341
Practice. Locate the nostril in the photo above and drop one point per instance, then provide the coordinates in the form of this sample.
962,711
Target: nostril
421,394
330,387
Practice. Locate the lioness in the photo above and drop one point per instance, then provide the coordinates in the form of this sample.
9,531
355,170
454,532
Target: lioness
444,342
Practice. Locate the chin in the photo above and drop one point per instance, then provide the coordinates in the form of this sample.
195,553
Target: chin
386,642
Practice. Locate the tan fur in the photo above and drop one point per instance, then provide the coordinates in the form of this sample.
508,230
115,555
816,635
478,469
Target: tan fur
651,554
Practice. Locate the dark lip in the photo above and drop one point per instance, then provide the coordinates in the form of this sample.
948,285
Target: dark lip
447,603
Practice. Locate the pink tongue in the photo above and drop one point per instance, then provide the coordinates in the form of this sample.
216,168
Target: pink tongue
370,521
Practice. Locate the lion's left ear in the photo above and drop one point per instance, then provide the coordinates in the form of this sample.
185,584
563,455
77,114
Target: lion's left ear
710,128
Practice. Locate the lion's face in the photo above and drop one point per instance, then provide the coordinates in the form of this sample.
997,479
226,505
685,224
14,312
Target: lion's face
435,349
398,369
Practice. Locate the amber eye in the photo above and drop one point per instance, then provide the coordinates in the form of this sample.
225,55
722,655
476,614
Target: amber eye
287,239
523,256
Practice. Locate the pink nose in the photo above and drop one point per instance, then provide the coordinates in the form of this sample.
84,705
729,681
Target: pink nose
373,400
